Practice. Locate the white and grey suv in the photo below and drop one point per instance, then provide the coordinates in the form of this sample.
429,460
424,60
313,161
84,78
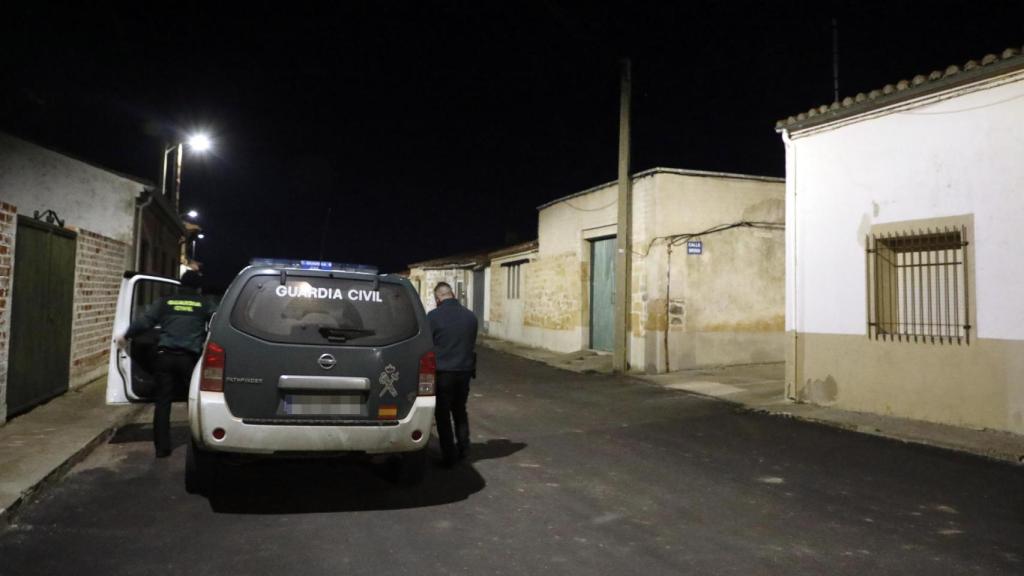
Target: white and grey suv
309,358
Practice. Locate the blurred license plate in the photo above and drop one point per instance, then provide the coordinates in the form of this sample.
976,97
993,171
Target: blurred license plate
307,404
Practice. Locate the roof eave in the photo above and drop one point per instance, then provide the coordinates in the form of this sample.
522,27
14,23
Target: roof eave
663,170
865,104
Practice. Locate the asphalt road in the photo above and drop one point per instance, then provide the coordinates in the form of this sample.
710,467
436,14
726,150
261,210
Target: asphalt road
570,474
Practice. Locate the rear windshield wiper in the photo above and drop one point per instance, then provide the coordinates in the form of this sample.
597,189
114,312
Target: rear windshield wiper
344,334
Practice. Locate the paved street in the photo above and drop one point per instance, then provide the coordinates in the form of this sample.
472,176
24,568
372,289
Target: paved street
570,474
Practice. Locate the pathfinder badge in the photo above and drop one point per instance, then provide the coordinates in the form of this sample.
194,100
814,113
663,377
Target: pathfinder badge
388,379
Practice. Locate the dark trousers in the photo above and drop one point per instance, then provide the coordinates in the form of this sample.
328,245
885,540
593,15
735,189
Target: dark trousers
172,372
452,393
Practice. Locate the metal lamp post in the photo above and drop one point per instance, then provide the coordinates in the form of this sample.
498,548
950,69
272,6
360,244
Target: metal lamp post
198,142
195,244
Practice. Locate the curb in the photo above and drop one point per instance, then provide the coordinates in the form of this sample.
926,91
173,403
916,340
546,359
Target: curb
992,455
1000,456
7,515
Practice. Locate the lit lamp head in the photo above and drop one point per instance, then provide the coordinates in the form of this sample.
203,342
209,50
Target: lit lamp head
200,142
192,214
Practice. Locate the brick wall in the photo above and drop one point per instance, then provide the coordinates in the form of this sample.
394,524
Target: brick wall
99,266
8,228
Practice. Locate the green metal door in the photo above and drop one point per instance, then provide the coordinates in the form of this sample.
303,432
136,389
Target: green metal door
602,294
41,308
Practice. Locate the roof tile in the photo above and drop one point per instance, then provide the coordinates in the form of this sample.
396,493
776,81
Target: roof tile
917,83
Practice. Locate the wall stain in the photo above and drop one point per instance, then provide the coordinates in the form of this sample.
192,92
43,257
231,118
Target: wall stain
819,391
776,323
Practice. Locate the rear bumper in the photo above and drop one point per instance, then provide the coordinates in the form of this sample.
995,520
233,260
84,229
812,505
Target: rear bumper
209,411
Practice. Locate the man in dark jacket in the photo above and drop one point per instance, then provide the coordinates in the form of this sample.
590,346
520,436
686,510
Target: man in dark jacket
454,329
182,319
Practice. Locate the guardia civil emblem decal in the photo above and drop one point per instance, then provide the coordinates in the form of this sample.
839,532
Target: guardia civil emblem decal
388,379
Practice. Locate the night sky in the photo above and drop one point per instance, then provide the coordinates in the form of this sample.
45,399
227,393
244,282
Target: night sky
430,128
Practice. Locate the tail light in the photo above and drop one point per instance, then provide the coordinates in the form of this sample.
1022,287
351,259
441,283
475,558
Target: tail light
428,368
212,375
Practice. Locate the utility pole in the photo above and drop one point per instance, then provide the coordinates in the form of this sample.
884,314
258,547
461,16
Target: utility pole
624,229
835,60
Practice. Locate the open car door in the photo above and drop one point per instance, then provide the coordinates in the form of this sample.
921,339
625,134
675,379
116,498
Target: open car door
130,378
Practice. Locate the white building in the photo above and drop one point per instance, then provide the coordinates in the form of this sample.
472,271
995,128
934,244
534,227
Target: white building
506,281
68,231
903,279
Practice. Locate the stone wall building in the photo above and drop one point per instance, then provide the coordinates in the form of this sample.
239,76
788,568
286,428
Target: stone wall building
903,281
510,276
721,303
80,227
465,273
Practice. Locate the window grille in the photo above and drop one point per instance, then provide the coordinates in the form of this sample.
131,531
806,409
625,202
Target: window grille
918,286
512,281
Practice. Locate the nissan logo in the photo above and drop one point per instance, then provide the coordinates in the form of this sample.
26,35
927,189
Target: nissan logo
326,361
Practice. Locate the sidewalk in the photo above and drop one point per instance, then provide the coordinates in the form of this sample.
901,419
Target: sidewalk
38,447
759,387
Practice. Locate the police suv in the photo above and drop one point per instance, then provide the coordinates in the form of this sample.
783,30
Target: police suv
302,357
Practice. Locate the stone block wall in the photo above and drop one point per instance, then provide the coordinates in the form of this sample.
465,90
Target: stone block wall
498,293
8,229
553,292
507,316
99,267
426,280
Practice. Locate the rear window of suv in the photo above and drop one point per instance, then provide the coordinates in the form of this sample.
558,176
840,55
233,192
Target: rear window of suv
323,310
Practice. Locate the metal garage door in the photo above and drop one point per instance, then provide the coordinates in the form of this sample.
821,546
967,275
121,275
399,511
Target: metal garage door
602,294
478,295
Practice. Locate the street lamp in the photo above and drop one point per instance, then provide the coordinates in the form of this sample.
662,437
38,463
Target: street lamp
191,214
199,142
195,246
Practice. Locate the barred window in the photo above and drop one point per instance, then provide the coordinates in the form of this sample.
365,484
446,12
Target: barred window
918,286
512,281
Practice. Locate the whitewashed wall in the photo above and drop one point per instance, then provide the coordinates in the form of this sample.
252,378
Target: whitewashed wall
34,178
960,155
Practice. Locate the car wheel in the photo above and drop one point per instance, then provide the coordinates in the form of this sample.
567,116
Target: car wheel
411,467
199,469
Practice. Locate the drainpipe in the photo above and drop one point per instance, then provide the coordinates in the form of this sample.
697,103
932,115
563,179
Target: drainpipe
668,303
139,207
791,386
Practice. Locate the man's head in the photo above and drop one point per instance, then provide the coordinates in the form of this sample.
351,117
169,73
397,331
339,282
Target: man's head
442,292
192,279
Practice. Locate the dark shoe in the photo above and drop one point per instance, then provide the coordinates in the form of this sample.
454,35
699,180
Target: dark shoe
463,451
163,452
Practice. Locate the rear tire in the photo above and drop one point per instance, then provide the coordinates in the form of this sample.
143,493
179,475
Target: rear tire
411,467
199,469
